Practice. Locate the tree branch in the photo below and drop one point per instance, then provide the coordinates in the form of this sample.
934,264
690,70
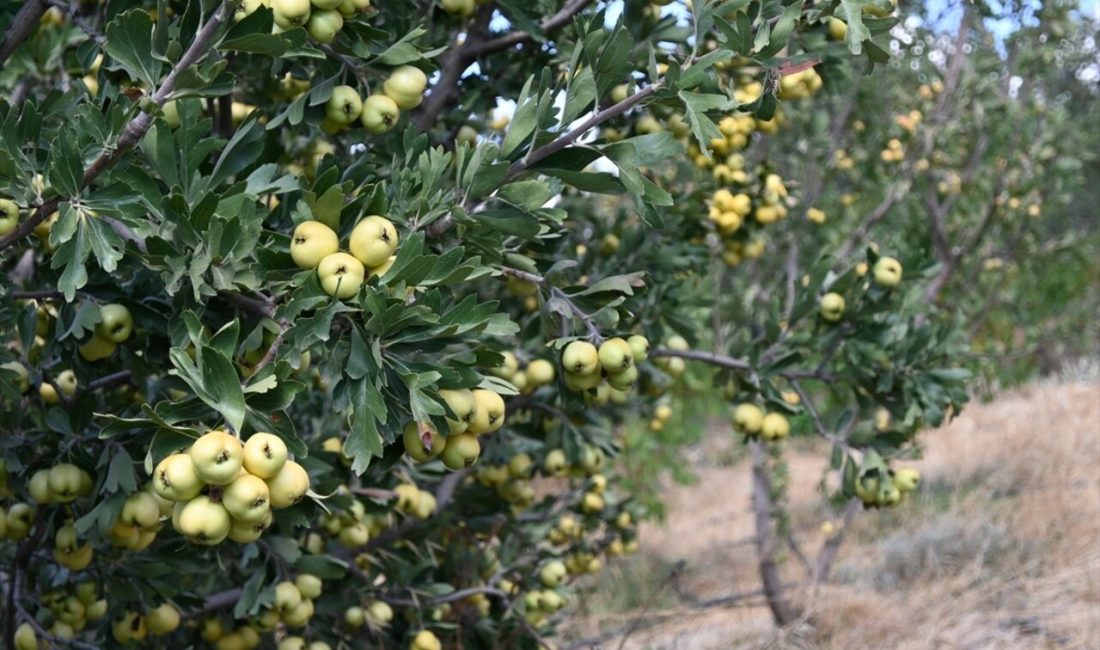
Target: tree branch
831,547
478,45
783,610
21,27
135,129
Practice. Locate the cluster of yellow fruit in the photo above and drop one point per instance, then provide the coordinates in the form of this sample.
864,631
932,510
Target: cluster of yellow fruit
626,543
799,85
885,492
322,19
158,621
414,502
16,521
752,421
68,552
379,112
139,521
527,379
298,643
674,366
376,614
373,243
729,212
842,160
353,526
661,415
243,483
114,327
616,359
909,121
62,483
292,605
477,412
244,637
894,152
511,481
71,613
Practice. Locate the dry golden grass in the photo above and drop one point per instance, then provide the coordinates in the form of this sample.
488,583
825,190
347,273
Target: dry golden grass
999,549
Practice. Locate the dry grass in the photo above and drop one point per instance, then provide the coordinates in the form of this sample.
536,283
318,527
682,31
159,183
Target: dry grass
999,549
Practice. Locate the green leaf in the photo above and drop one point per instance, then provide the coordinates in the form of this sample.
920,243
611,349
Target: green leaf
129,42
524,120
219,378
65,167
120,473
857,31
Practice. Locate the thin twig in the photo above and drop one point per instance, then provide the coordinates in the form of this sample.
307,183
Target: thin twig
21,27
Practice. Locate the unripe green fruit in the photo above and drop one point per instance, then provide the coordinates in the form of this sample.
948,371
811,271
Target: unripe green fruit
460,451
300,615
116,323
355,617
291,13
64,482
639,347
907,479
615,355
580,358
39,487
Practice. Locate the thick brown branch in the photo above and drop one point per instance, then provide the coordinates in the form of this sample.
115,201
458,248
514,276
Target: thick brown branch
783,610
21,27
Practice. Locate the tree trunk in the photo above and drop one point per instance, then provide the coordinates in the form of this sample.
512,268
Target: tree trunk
783,611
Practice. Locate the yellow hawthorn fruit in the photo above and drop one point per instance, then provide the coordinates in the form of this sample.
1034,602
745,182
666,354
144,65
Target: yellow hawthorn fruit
131,627
25,637
540,372
176,479
405,86
906,479
203,521
413,439
461,450
341,275
373,240
592,502
425,640
832,307
887,272
580,358
838,29
489,412
748,418
247,498
775,427
309,585
462,403
140,510
615,355
217,456
519,465
312,242
555,463
552,574
264,455
380,114
815,216
288,486
355,617
162,620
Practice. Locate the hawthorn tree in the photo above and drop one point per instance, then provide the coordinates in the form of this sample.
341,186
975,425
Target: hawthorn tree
285,298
